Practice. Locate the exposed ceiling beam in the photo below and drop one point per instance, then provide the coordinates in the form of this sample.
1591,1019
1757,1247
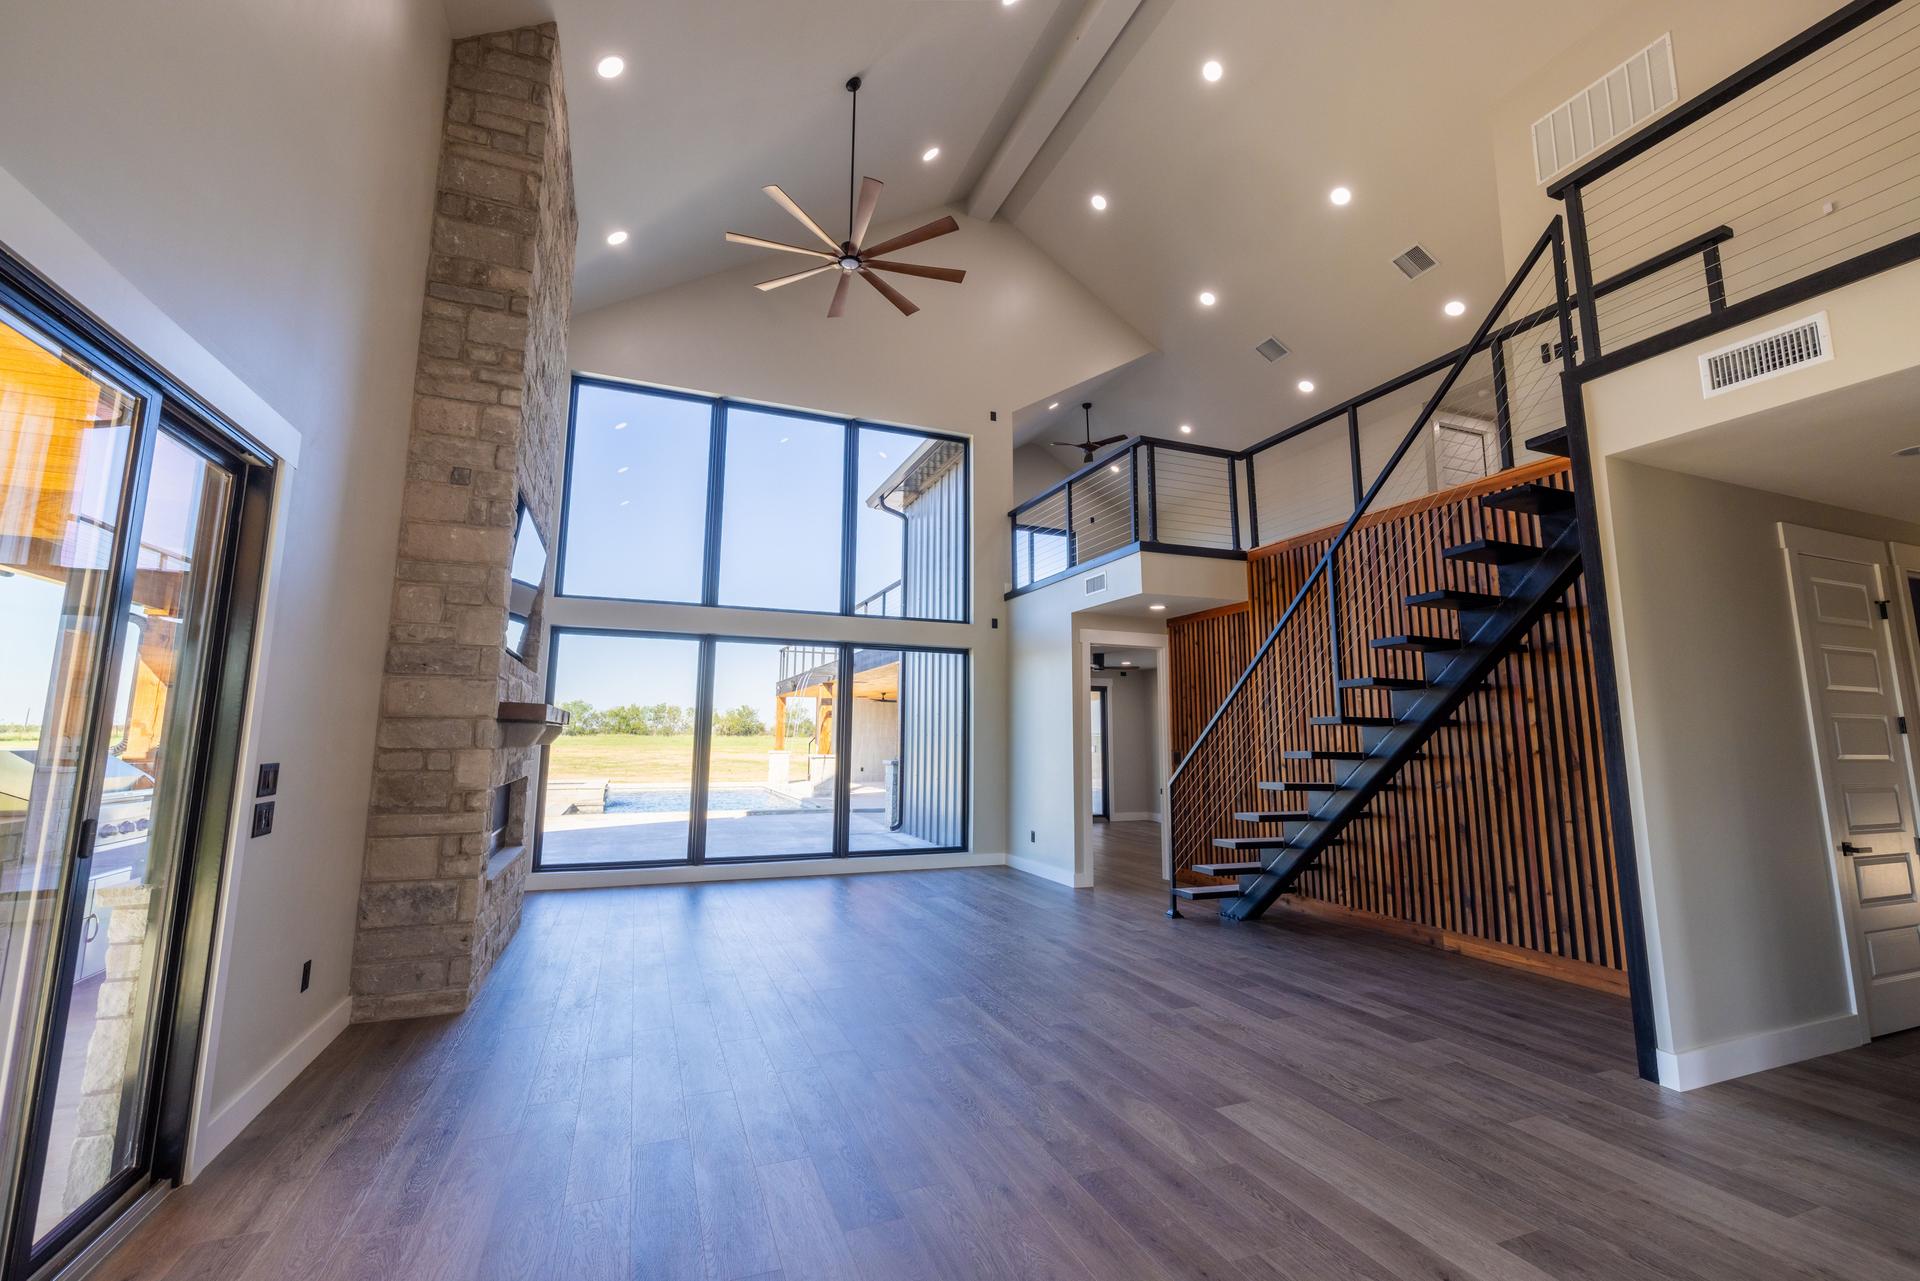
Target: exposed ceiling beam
1099,26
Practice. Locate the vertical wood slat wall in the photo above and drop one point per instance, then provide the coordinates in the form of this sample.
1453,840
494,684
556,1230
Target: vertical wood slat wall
1500,833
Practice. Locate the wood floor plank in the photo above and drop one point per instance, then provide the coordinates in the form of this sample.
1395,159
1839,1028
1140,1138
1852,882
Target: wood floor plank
975,1075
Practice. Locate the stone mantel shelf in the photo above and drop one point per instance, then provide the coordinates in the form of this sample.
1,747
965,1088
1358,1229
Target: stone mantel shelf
530,724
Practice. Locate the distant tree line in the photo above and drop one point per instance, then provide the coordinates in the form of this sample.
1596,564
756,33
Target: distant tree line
668,718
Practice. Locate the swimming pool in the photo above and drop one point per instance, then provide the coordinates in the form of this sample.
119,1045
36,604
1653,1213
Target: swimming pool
678,800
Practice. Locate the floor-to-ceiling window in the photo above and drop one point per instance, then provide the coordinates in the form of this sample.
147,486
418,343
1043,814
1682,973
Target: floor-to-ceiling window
124,520
693,743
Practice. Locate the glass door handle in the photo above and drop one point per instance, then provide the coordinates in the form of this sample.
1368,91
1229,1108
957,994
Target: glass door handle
85,849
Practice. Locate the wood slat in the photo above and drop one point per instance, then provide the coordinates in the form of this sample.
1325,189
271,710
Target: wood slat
1499,836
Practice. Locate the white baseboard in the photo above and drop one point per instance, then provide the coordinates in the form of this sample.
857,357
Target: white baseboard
599,878
1048,871
1743,1055
223,1126
1135,816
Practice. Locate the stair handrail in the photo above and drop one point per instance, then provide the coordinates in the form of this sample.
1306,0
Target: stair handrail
1324,565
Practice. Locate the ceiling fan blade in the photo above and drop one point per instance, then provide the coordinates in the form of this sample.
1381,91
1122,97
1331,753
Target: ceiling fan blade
888,292
952,275
785,201
1104,441
839,305
863,212
918,235
734,237
778,281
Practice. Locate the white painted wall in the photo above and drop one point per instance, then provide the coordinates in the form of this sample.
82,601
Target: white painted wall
1739,891
263,176
1015,331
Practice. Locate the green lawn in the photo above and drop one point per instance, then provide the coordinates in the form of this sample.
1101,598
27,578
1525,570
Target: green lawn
666,758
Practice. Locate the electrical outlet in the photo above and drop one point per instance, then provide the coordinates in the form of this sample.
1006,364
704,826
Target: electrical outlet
262,818
306,975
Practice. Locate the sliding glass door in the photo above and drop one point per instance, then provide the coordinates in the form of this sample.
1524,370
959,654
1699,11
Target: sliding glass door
685,749
116,527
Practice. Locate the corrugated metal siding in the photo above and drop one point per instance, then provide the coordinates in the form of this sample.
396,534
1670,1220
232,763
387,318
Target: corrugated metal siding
933,745
934,560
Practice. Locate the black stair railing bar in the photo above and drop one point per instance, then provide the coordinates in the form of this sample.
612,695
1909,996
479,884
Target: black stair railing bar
1810,155
1396,545
1227,773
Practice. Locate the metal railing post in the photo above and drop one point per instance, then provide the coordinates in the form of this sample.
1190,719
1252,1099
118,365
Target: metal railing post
1253,507
1576,245
1153,500
1233,502
1133,494
1072,542
1353,453
1502,411
1716,278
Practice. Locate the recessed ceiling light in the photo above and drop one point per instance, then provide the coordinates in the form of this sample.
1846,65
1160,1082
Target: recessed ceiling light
1455,308
621,472
1099,201
619,426
616,237
930,155
1340,196
1186,429
1207,298
1126,662
625,501
783,440
610,66
1008,4
1054,405
1212,71
1306,386
1156,608
883,453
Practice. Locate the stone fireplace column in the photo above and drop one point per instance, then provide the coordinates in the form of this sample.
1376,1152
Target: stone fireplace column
440,891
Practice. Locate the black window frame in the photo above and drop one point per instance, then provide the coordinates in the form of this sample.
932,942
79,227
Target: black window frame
716,501
703,751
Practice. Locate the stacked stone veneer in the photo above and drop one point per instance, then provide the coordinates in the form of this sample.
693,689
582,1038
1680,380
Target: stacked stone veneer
489,426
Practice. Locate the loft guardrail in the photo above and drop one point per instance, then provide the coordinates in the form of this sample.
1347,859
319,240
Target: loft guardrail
1155,494
1809,156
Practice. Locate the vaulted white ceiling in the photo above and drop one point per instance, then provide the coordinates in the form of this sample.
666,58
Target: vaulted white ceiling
1219,186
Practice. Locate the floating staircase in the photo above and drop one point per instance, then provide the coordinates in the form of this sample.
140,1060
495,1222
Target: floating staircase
1533,577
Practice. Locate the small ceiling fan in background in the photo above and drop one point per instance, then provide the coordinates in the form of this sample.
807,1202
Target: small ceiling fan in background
1089,446
851,257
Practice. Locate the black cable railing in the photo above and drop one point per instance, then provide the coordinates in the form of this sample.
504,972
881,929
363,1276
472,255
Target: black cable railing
1808,159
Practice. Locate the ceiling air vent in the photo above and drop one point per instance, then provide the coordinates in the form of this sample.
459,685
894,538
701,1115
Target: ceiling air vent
1095,584
1416,261
1768,355
1273,349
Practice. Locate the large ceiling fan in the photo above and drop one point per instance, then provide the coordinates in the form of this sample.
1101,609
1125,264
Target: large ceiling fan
1089,446
852,257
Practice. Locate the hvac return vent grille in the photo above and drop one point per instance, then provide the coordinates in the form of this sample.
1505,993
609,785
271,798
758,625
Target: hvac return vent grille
1416,261
1273,349
1768,355
1095,584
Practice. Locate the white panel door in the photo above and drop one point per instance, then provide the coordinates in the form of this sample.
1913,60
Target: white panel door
1854,705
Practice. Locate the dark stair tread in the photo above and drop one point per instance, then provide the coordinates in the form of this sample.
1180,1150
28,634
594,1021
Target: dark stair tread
1248,867
1193,892
1492,551
1450,598
1315,754
1550,442
1381,682
1273,816
1532,498
1364,722
1288,785
1253,843
1415,641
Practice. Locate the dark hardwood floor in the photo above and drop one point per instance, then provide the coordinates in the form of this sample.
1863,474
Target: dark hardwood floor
975,1074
